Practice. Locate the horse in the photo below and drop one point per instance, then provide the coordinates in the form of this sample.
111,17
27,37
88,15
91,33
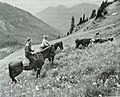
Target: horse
16,68
56,45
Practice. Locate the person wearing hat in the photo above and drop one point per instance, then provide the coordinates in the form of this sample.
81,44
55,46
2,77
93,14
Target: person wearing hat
45,42
29,53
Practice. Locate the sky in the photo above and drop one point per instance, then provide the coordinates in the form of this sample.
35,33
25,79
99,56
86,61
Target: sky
35,6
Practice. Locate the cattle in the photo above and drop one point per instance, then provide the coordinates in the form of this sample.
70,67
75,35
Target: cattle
110,39
102,40
84,42
97,33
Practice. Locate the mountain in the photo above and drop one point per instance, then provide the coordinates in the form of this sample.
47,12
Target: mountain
89,72
60,17
16,25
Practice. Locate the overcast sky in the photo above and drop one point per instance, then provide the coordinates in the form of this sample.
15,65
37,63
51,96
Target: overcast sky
35,6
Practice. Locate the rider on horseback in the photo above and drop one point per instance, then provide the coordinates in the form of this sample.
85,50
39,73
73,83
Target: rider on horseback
29,53
45,42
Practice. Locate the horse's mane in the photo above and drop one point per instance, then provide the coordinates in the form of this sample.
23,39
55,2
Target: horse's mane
44,50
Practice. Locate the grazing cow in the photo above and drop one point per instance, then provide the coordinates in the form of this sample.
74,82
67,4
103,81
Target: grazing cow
97,33
103,40
110,39
84,42
100,40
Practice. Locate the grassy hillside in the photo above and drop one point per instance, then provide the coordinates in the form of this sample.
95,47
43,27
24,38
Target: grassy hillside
75,72
16,25
60,17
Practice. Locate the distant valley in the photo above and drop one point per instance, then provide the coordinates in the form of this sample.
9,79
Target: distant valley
16,25
60,17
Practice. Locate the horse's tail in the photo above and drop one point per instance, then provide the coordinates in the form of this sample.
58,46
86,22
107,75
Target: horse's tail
21,64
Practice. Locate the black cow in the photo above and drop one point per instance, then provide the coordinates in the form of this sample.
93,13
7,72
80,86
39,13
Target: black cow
97,33
106,74
102,40
110,39
84,42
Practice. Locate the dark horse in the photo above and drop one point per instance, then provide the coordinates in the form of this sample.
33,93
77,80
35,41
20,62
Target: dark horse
16,68
56,45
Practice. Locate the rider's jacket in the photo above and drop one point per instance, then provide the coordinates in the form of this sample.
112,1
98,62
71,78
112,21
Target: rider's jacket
45,43
28,49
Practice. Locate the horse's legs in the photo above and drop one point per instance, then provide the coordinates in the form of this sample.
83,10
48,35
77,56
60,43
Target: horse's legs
14,80
52,59
38,72
35,66
49,59
35,69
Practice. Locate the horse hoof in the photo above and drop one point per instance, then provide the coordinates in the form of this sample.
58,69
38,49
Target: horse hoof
12,82
43,75
37,77
15,82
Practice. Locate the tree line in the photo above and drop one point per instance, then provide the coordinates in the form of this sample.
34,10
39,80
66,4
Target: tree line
97,14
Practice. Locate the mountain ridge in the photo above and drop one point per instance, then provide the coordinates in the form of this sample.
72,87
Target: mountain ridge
59,16
18,24
75,72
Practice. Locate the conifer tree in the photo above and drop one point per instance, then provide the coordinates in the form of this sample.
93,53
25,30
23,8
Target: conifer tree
83,18
72,25
93,14
80,21
68,33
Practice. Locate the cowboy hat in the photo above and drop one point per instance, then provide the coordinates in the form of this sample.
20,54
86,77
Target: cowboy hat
29,39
